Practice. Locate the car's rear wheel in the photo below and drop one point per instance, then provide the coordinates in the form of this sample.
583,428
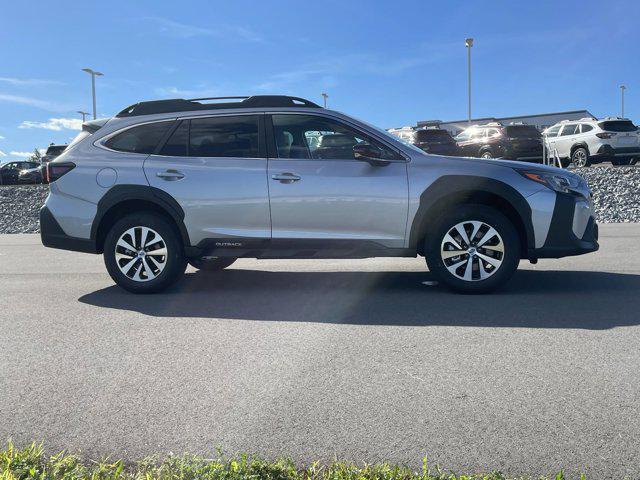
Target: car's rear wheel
143,253
486,154
580,157
211,264
475,249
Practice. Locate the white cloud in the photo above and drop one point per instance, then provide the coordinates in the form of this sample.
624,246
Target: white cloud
1,137
182,30
13,153
29,82
54,124
34,102
176,92
2,154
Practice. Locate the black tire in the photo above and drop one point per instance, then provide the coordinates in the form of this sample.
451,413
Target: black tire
509,258
211,264
580,157
174,261
486,154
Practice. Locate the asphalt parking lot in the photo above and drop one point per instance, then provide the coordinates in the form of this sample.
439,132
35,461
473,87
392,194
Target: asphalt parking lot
355,360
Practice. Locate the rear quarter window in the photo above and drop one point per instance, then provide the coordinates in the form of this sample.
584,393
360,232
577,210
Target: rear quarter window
618,126
140,139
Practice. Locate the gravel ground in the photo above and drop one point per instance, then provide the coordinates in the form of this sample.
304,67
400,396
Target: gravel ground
19,207
616,192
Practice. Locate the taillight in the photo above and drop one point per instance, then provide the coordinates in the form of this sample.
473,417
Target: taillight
53,171
605,135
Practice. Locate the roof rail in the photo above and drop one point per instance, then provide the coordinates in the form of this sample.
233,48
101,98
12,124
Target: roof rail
182,105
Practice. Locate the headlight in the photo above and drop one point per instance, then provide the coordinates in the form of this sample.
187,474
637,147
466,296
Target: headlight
555,181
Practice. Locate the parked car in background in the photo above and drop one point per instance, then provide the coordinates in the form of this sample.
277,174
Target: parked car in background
588,140
170,182
52,152
10,171
494,140
436,141
31,175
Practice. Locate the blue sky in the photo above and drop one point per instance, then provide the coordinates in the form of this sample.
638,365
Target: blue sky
390,63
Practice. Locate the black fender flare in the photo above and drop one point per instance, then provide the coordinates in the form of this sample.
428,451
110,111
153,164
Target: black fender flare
122,193
578,145
464,188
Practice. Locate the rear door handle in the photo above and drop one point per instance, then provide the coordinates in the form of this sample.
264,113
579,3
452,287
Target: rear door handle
170,175
286,177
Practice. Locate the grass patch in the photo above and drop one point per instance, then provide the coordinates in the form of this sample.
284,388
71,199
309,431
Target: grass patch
31,463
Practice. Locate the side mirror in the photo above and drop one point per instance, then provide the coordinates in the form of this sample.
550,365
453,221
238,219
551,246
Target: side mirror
371,154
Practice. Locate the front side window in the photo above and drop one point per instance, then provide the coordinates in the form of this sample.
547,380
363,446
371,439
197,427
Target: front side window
226,136
140,139
552,132
314,137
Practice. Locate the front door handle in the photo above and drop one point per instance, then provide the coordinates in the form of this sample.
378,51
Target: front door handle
286,177
170,175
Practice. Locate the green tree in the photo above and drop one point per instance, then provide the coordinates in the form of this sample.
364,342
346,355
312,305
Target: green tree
36,156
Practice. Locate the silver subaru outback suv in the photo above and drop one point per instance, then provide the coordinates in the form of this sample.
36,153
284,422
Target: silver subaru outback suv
206,181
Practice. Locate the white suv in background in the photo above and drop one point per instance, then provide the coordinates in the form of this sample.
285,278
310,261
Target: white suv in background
588,141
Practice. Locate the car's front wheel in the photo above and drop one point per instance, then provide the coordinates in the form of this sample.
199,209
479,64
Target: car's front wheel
475,249
143,253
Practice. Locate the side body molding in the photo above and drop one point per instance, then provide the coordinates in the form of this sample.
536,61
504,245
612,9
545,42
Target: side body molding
455,189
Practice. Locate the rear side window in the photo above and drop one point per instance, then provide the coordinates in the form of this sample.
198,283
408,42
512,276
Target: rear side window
433,136
140,139
586,128
618,126
522,131
225,137
176,146
568,130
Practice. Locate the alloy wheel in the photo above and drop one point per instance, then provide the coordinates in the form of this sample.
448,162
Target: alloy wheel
580,158
141,254
472,250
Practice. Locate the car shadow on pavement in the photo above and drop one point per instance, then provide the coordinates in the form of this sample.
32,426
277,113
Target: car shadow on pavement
532,299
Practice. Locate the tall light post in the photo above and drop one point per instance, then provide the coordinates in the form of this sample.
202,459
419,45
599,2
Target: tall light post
468,42
622,89
84,114
325,96
93,74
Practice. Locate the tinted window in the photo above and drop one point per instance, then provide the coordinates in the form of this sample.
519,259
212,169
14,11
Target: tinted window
568,130
586,128
142,139
433,136
309,136
225,137
522,131
55,149
553,131
176,146
618,126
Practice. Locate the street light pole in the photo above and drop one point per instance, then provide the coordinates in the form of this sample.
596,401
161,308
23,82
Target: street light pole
468,42
93,74
325,96
83,114
622,89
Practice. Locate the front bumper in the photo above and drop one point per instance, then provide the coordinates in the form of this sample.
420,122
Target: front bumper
53,236
573,229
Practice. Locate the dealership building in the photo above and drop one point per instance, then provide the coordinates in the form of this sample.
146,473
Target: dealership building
540,120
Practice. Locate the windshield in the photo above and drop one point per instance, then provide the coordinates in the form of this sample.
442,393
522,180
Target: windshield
522,131
618,126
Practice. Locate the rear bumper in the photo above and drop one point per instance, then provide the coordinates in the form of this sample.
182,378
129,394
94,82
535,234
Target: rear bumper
53,236
573,229
607,152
